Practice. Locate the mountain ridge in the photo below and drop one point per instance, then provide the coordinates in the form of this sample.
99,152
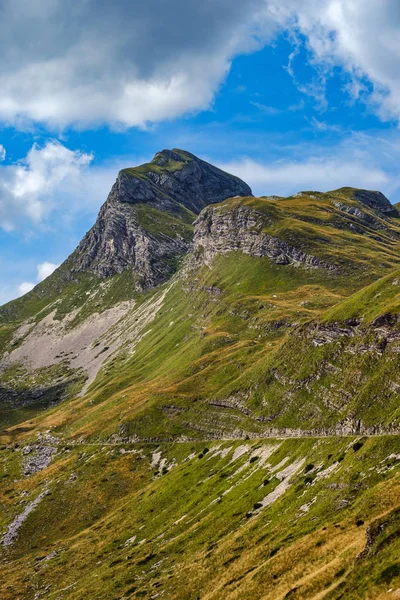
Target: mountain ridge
321,246
208,410
176,183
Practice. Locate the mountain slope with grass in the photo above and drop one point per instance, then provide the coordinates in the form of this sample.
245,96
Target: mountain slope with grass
51,338
210,379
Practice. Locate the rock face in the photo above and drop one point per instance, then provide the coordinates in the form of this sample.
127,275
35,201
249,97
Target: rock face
374,200
118,242
368,198
358,214
219,231
186,179
176,183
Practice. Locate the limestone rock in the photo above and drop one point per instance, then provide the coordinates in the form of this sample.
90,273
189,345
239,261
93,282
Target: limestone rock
176,183
219,231
375,200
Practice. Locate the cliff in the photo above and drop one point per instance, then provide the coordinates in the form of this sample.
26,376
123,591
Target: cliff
145,224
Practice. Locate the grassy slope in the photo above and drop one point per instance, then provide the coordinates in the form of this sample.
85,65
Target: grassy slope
223,333
379,298
62,295
220,333
66,292
113,526
233,345
313,223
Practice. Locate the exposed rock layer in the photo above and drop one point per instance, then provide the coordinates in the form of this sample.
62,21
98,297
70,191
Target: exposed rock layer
174,182
219,231
374,200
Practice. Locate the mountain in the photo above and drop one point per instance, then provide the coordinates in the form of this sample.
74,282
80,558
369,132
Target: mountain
145,224
210,379
139,239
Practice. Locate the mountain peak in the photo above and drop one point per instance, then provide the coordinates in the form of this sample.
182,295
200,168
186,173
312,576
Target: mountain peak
370,198
178,176
374,199
146,222
179,156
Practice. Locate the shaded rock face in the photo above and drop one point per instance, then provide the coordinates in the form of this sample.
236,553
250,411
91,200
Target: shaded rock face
118,242
172,182
369,198
375,200
191,181
240,229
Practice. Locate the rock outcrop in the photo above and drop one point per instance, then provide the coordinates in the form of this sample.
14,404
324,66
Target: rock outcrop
176,183
354,211
118,242
371,199
374,200
38,456
192,182
219,231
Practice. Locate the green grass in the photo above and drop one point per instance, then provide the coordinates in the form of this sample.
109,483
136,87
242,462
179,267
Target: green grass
25,392
195,531
234,350
159,223
238,330
380,298
249,341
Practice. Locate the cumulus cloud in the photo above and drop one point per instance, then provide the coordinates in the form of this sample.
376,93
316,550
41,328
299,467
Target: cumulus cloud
45,269
2,153
361,37
25,287
122,62
28,188
131,63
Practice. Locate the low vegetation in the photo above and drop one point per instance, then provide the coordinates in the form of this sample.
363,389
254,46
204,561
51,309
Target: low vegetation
235,433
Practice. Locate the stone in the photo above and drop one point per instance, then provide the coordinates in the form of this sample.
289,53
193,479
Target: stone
375,200
172,182
218,231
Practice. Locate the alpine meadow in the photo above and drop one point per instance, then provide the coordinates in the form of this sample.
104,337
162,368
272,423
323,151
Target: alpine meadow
200,387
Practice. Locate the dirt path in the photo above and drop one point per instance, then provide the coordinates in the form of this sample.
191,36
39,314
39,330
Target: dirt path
230,439
161,441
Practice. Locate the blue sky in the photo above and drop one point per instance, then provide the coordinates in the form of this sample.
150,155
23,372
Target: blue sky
287,94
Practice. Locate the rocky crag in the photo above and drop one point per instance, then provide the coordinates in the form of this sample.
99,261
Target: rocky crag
172,190
218,232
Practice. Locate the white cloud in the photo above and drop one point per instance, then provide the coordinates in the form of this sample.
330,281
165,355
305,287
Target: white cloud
25,287
124,62
2,153
45,269
129,63
286,177
28,189
360,36
267,110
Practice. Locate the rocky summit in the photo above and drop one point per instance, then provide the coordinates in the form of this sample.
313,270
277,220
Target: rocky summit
202,401
146,222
